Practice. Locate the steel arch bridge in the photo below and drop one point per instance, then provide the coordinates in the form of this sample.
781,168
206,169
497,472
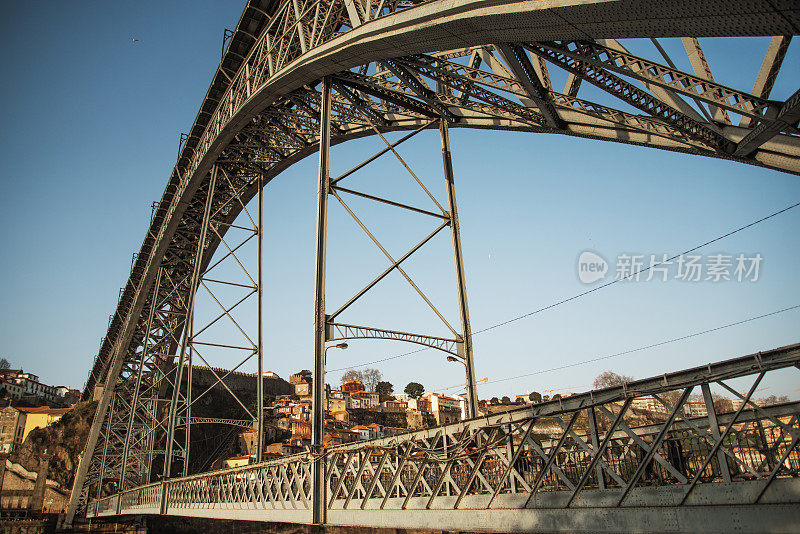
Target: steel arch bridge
300,75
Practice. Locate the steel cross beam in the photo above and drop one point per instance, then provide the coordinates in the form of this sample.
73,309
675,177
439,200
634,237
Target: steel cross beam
523,70
634,96
700,87
769,70
787,119
338,331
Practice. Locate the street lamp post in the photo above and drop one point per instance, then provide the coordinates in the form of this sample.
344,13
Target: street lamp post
337,346
469,404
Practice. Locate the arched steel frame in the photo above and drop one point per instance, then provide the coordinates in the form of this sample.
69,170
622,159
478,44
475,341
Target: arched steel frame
395,65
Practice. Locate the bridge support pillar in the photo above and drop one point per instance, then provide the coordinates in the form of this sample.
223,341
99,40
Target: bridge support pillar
187,328
131,417
36,504
260,315
466,330
320,322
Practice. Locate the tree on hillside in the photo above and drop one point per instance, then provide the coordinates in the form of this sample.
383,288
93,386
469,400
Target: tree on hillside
610,379
4,364
370,378
773,399
414,390
384,388
723,405
352,374
535,397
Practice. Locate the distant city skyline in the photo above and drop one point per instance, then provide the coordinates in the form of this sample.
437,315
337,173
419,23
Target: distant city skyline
90,135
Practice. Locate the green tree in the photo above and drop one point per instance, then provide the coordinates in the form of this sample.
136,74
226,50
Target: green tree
535,397
384,388
414,390
306,374
506,399
4,364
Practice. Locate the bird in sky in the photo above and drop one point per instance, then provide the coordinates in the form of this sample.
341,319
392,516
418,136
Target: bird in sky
134,39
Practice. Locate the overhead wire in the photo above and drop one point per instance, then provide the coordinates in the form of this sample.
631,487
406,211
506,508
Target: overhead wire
595,289
645,347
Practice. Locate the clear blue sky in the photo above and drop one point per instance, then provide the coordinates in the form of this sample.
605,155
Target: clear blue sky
90,130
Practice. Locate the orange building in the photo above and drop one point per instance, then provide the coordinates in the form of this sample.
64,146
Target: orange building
351,386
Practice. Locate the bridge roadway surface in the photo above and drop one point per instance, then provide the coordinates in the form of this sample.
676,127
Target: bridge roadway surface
577,464
473,63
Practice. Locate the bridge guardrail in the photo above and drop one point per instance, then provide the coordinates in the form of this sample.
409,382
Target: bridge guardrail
585,451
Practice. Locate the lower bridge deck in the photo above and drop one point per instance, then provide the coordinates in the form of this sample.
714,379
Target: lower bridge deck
591,462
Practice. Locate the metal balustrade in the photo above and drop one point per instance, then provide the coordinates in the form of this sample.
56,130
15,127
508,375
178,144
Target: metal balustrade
592,451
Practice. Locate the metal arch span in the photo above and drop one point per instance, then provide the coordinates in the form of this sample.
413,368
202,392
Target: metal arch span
487,23
266,113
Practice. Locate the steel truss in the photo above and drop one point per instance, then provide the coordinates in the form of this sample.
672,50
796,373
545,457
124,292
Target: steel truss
461,343
326,329
392,69
546,466
131,441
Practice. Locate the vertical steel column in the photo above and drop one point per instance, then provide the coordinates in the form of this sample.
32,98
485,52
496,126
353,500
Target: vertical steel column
260,383
105,450
188,414
466,330
94,433
320,320
137,387
151,440
601,483
724,471
187,324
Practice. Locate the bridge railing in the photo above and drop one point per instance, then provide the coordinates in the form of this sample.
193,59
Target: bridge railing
643,444
144,499
284,483
106,505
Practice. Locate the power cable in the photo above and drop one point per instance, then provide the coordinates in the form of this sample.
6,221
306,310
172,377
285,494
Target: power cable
634,274
645,347
592,290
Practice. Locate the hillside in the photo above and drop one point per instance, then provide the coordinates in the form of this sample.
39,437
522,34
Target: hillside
64,439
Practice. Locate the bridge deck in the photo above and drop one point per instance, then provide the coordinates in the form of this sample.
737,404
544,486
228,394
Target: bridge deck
587,462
